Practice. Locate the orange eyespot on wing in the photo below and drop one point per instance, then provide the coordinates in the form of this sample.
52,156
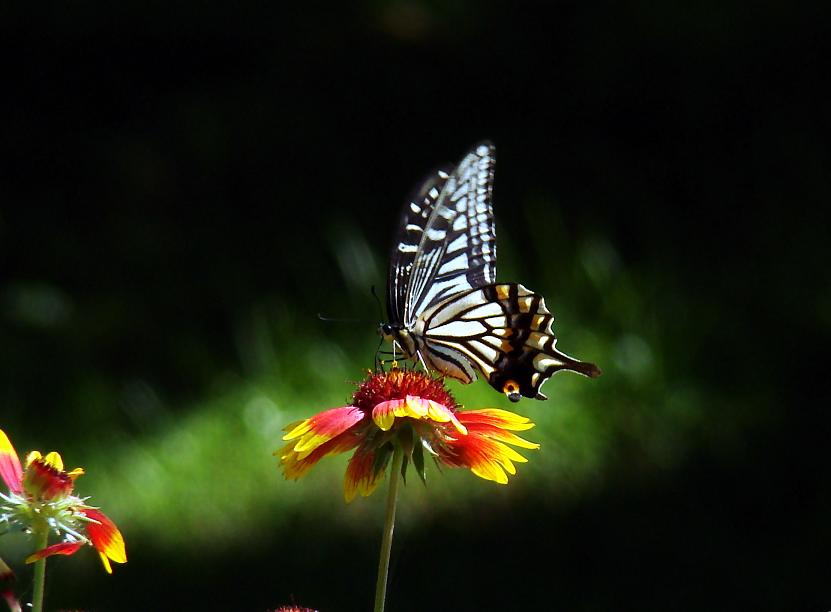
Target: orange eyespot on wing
511,389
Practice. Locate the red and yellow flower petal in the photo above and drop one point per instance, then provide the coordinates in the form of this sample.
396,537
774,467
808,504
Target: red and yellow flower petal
63,548
321,428
413,407
384,413
361,476
10,469
43,480
485,449
297,464
33,456
106,538
441,414
498,424
494,417
486,458
54,459
75,473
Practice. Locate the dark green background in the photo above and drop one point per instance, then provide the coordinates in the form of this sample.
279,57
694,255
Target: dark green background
186,186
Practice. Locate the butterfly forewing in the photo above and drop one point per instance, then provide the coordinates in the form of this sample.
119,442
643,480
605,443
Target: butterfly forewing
457,251
417,213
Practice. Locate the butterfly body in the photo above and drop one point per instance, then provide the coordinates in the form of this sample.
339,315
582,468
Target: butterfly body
446,308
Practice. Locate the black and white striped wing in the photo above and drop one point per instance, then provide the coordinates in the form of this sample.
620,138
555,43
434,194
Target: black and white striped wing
457,247
417,213
502,330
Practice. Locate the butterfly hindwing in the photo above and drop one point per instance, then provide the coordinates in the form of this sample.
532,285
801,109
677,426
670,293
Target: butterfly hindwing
505,331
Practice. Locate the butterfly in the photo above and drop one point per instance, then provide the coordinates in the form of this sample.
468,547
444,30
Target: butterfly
445,307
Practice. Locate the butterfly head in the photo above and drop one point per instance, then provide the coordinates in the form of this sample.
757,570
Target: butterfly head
386,331
401,339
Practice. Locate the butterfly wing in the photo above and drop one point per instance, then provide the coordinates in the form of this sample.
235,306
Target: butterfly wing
504,331
417,213
457,249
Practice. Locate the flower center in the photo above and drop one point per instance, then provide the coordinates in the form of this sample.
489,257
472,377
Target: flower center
398,385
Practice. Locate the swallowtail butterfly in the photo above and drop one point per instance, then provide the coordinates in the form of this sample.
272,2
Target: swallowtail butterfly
447,310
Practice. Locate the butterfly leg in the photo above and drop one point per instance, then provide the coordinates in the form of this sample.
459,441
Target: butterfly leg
423,364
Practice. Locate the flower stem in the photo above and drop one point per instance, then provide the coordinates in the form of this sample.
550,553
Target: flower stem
389,527
41,541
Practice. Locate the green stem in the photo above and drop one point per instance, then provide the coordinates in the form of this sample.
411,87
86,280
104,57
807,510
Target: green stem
389,527
41,541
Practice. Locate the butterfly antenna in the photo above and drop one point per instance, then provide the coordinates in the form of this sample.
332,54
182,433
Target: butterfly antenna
323,317
377,301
